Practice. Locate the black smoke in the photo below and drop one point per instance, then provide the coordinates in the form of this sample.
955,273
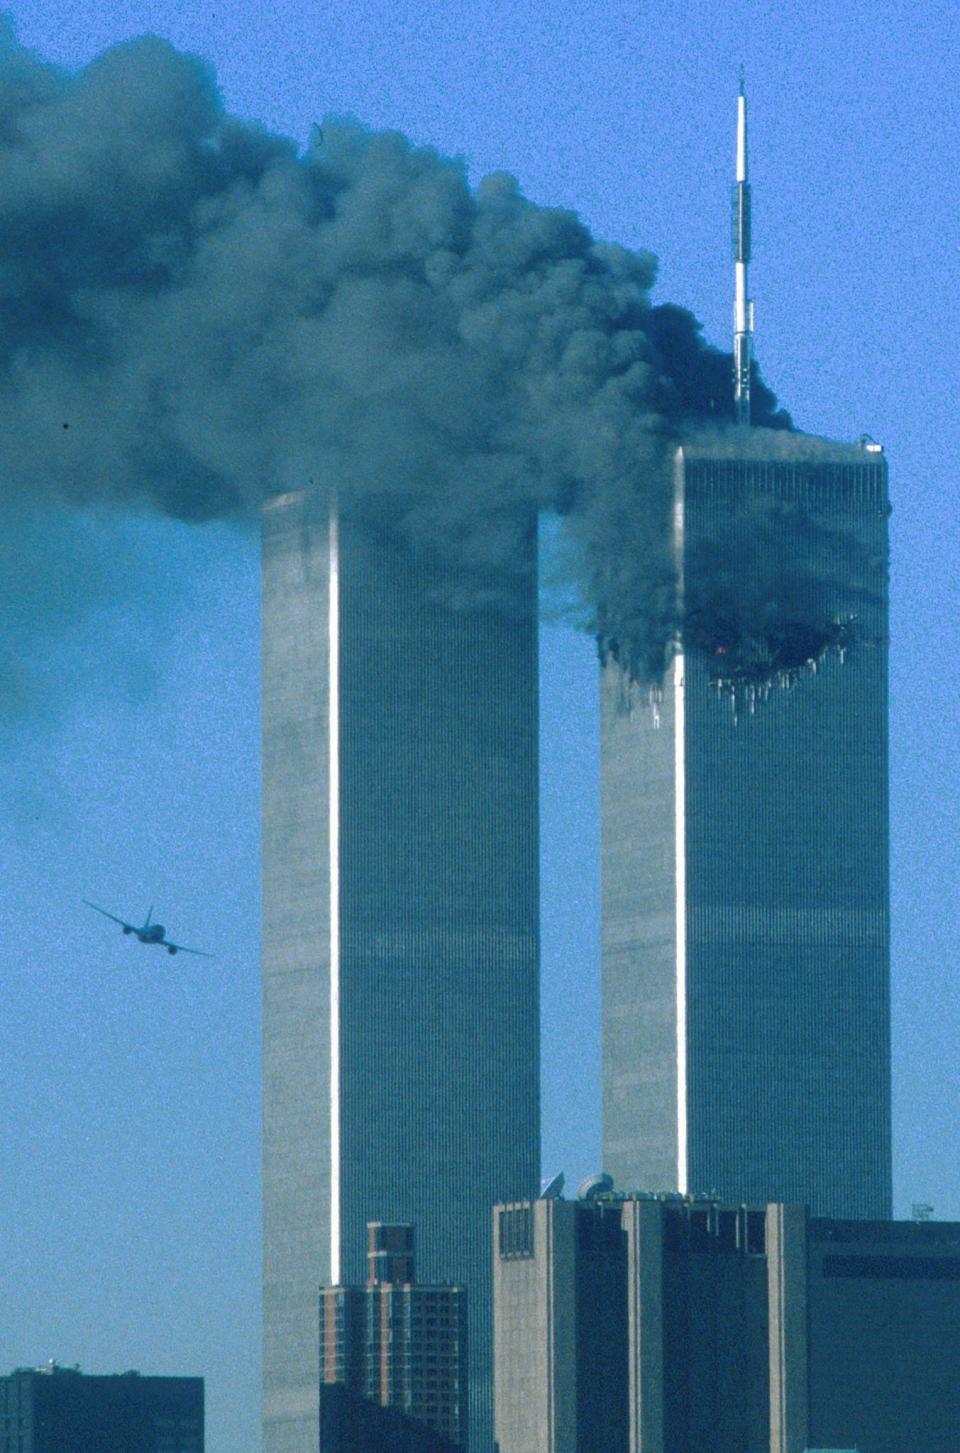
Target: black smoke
702,376
194,315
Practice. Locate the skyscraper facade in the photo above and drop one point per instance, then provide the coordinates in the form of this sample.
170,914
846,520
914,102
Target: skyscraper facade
400,932
395,1343
560,1327
745,918
643,1324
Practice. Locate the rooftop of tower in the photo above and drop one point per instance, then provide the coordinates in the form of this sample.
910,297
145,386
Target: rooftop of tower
776,444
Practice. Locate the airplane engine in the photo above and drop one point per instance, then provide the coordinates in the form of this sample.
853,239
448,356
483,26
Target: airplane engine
171,949
126,929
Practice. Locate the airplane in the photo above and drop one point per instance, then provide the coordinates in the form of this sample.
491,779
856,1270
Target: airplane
150,932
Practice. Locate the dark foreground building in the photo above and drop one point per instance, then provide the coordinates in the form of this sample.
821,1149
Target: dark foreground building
350,1423
393,1366
644,1325
400,933
745,903
62,1410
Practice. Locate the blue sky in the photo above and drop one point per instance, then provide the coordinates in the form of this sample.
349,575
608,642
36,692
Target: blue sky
129,1194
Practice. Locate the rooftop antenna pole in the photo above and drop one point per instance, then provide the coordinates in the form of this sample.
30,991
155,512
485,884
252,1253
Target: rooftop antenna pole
742,307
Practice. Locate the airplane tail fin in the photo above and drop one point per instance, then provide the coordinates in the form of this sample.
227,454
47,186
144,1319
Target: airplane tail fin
149,916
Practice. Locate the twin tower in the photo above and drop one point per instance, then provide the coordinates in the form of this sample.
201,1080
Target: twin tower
745,900
745,915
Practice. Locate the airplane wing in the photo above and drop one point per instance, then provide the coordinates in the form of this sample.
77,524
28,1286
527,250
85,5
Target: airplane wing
182,949
122,921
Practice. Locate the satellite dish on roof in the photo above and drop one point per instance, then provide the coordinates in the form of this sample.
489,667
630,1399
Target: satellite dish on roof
551,1190
594,1186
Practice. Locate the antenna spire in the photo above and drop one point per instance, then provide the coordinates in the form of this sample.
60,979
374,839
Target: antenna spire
743,306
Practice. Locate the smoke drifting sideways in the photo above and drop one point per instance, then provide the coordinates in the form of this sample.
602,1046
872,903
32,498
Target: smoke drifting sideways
194,316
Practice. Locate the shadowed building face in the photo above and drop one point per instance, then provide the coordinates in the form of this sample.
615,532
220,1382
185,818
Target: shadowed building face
62,1410
669,1324
400,933
745,884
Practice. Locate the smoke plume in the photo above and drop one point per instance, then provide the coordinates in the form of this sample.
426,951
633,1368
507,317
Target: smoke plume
195,315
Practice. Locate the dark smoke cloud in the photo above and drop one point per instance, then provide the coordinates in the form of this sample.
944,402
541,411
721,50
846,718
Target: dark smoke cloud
194,316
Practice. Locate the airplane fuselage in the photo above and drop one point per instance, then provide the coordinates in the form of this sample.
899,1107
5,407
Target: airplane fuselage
149,932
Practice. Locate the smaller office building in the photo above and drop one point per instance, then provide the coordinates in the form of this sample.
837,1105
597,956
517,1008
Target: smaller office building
57,1409
664,1324
392,1357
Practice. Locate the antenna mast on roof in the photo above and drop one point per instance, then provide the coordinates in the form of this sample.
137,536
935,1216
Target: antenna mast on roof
742,307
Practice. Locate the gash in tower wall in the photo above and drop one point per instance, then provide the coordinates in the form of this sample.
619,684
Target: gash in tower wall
400,933
745,917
